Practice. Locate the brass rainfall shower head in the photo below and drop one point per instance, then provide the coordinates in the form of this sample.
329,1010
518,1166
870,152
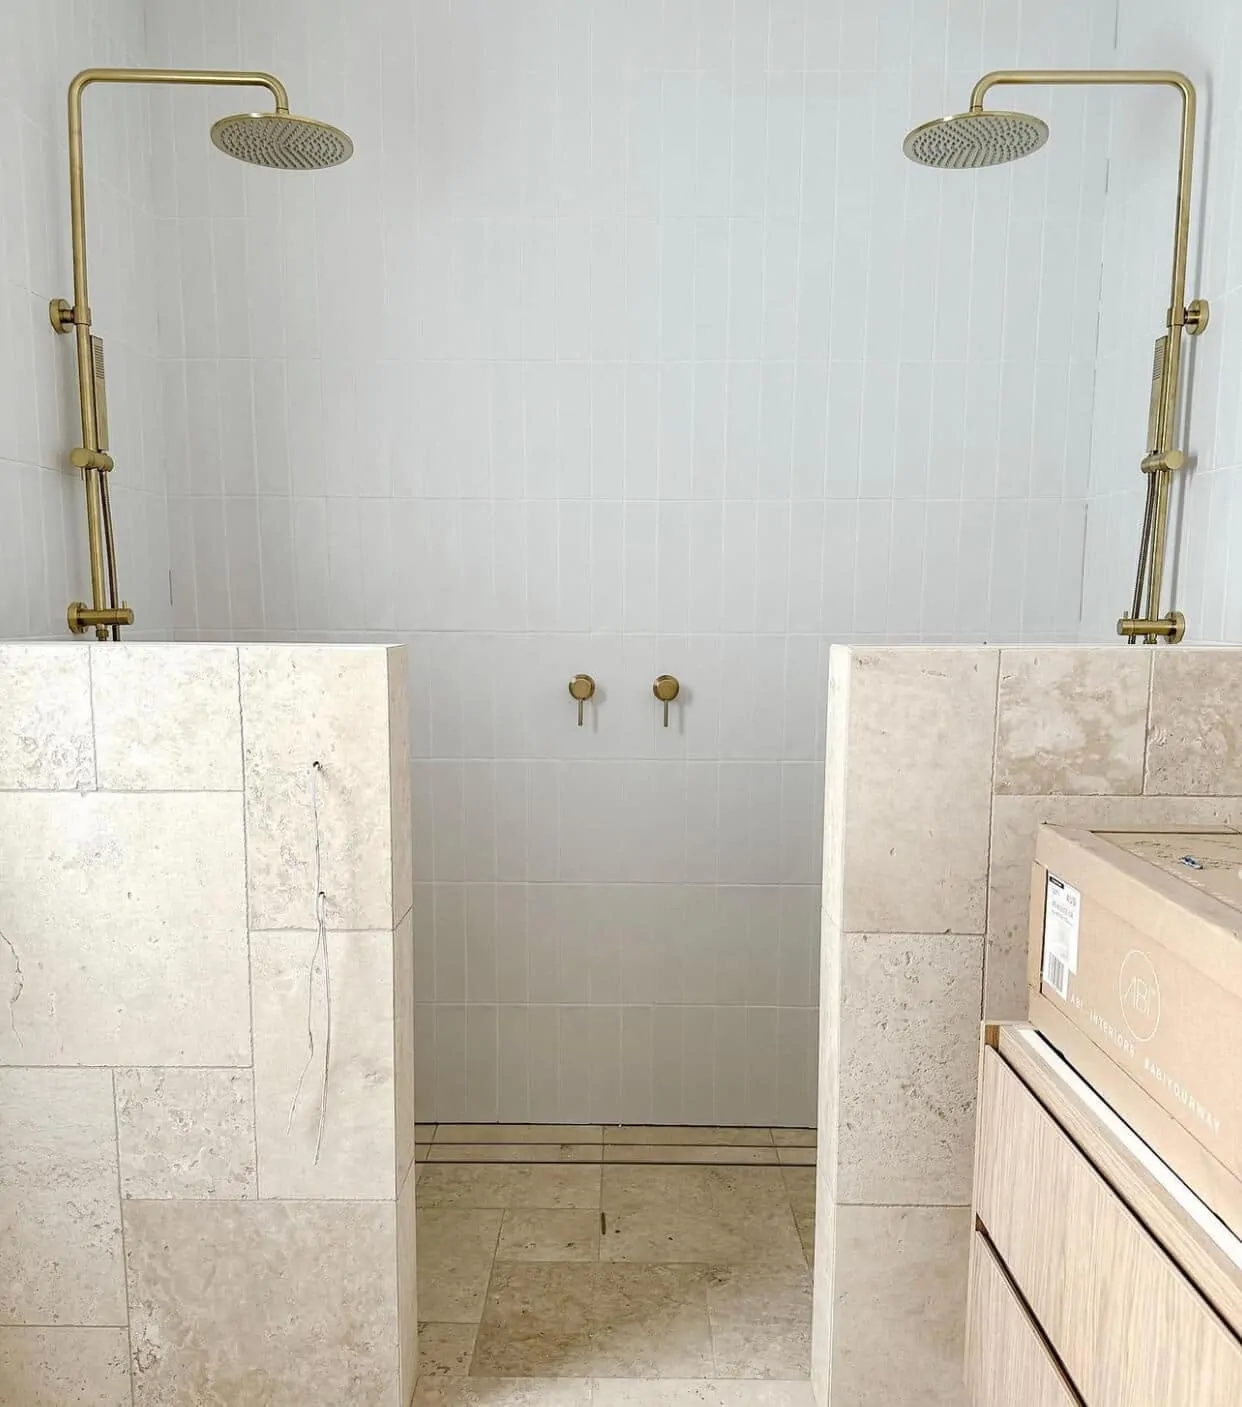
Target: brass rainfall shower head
972,139
282,141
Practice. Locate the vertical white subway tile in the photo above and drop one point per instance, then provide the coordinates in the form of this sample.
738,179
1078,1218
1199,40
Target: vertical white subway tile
729,1063
544,1066
636,1064
482,1067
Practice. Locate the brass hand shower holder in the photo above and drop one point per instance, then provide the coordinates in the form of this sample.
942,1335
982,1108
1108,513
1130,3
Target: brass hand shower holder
275,139
983,137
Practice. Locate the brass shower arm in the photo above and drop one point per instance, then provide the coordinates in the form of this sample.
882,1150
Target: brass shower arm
63,317
210,77
1179,314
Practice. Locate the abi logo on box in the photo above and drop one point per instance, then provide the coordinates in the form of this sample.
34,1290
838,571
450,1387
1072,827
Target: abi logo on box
1139,990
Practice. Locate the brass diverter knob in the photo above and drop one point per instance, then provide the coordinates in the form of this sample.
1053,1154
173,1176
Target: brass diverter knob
666,688
581,688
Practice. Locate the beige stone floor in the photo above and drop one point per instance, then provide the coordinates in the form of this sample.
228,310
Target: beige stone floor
630,1280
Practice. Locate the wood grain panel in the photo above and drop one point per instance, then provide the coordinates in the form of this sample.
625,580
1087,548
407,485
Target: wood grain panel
1213,1273
1007,1361
1128,1326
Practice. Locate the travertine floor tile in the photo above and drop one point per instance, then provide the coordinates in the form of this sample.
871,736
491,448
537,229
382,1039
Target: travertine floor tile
611,1320
763,1294
746,1350
701,1392
728,1190
796,1157
701,1238
800,1187
444,1350
455,1252
514,1152
465,1185
806,1233
541,1185
527,1235
726,1155
688,1134
502,1392
702,1216
761,1322
552,1185
519,1133
650,1321
794,1138
536,1322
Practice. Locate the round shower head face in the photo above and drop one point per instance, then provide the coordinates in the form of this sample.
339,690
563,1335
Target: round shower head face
281,141
973,139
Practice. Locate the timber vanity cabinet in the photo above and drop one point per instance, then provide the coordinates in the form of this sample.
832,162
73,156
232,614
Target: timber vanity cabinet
1106,1264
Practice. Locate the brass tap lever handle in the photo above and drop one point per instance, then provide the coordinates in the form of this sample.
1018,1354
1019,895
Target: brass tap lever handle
666,688
581,688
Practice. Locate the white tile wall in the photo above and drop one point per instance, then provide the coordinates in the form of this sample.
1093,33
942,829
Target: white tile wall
1204,39
628,343
43,559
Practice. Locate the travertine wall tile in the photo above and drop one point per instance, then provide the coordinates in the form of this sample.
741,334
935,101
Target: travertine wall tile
60,1226
186,1133
63,1366
403,1043
358,1153
919,790
45,718
823,1279
836,765
899,1316
1015,822
1195,742
123,915
284,1303
326,704
399,784
1072,721
909,1021
167,717
407,1284
829,1085
127,914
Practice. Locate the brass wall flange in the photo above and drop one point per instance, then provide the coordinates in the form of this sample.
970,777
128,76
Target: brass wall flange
60,315
1198,315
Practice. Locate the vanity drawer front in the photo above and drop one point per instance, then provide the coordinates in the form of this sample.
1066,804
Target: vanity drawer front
1007,1361
1128,1326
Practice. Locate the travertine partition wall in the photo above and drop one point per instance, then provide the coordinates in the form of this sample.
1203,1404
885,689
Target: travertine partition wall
165,1229
942,763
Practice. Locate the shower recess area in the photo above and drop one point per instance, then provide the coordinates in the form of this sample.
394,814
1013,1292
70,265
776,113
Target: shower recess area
532,663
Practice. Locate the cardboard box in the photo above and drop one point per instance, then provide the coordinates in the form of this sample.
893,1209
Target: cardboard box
1135,975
